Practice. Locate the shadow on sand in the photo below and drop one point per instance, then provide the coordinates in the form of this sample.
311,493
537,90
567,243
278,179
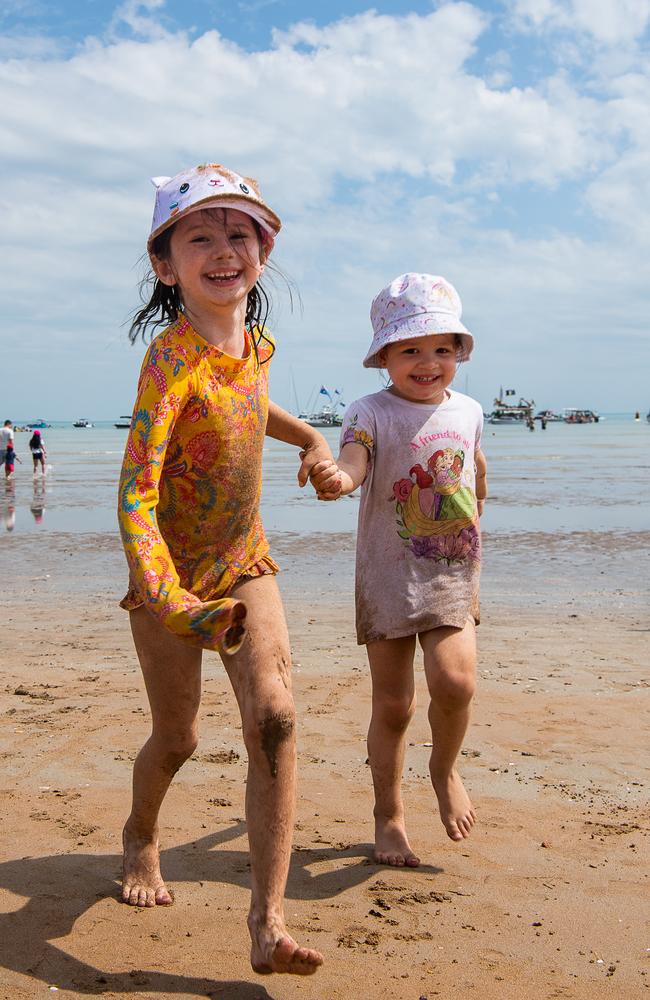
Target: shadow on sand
62,887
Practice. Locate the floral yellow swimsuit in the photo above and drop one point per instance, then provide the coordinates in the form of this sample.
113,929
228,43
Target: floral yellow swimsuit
191,482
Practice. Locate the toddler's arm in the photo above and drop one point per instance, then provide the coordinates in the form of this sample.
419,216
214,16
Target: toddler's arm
480,466
332,480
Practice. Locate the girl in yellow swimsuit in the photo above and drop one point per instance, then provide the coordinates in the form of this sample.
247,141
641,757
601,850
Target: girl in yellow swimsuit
201,576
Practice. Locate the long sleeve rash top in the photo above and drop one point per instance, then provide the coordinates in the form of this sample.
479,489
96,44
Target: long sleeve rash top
191,482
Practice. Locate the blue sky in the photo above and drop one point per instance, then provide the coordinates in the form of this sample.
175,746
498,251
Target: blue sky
503,145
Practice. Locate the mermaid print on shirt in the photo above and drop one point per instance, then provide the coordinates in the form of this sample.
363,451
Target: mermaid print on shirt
436,509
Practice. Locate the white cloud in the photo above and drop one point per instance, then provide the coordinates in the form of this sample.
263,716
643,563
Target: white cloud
379,147
609,22
139,17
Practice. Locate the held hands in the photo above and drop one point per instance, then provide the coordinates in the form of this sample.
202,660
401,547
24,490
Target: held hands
325,477
318,466
312,453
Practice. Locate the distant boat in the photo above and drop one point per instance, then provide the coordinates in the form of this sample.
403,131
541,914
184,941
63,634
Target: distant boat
327,417
550,416
38,423
123,422
82,422
570,415
511,413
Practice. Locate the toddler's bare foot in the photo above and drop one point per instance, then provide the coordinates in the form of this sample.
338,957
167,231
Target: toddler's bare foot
142,883
456,810
392,846
278,952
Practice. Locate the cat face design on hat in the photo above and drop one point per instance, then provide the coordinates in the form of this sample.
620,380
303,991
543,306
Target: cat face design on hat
210,185
416,305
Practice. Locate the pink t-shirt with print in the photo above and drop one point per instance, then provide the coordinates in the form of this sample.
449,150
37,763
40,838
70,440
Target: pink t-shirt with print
418,543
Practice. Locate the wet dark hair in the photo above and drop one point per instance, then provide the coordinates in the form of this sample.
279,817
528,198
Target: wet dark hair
165,304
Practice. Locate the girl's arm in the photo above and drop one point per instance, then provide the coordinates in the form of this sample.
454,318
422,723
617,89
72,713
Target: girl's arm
163,390
285,427
480,466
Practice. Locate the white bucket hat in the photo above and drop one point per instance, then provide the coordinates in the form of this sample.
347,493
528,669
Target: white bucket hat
416,305
210,186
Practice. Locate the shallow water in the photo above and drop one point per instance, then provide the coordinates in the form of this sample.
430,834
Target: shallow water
591,477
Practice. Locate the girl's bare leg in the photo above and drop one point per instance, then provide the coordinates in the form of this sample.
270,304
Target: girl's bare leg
450,668
172,676
393,705
260,673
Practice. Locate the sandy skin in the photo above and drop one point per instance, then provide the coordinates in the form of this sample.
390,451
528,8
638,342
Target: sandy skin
391,845
142,882
272,949
456,809
260,675
450,668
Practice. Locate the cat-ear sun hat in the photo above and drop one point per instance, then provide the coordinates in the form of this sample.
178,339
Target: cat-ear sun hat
210,185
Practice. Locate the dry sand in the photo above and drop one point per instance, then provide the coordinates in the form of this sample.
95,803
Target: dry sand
547,899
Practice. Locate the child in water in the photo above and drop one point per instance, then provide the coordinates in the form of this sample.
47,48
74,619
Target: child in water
201,576
10,459
414,447
37,448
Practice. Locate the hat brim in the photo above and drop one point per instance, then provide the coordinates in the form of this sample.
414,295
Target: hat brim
435,324
265,217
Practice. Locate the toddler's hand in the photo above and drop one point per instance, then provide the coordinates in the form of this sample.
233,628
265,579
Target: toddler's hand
325,477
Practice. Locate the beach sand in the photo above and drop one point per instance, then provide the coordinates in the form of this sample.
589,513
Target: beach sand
547,899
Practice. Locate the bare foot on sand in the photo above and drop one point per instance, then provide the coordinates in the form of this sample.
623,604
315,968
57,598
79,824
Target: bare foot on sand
271,952
142,883
392,846
456,810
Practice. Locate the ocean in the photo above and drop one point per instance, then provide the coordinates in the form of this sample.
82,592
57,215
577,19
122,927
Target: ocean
568,478
566,524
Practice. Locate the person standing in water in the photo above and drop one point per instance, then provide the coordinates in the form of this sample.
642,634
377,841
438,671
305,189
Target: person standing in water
37,448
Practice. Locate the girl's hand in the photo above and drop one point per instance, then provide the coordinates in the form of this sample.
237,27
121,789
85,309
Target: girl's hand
325,477
480,504
311,455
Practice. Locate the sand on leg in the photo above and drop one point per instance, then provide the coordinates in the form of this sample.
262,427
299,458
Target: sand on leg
450,669
393,705
260,673
172,674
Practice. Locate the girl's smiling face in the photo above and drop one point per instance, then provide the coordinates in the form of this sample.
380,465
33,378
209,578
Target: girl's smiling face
215,258
421,368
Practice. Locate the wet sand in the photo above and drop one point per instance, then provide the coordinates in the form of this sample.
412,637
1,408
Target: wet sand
547,899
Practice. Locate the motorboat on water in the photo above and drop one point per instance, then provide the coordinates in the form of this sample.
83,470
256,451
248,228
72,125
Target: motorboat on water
571,415
124,422
82,422
550,416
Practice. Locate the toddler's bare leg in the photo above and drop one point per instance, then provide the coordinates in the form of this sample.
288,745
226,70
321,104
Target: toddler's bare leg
260,673
393,705
172,676
450,668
